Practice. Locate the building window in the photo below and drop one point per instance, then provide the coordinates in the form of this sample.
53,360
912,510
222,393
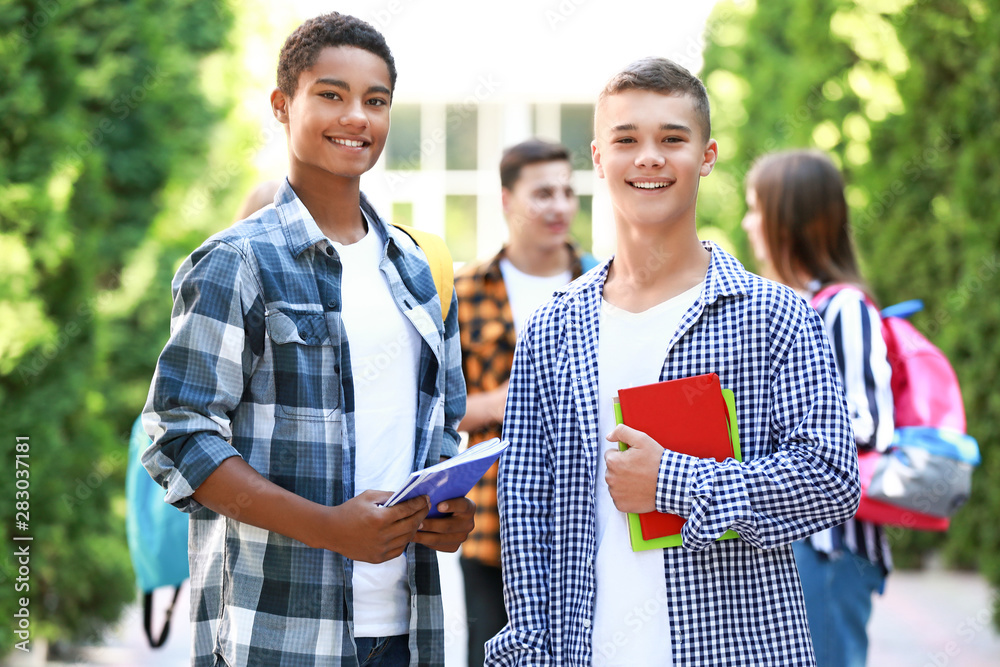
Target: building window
461,146
576,122
460,226
403,148
402,213
582,228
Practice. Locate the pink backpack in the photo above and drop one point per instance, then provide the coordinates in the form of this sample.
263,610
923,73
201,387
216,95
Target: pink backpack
926,474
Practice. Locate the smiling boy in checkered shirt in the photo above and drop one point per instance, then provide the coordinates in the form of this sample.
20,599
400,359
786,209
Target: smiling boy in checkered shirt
308,372
666,306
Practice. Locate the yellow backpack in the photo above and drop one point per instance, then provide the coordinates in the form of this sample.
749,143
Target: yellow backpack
439,259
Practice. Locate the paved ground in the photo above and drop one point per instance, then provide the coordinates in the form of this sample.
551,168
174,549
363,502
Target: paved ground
934,619
930,618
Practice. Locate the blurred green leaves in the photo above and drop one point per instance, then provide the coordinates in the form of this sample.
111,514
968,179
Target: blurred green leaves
904,96
110,115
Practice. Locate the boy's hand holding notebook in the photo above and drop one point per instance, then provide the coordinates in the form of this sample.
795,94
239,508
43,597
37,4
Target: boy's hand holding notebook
452,478
693,416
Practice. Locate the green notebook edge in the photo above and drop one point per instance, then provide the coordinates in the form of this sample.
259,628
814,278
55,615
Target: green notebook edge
634,526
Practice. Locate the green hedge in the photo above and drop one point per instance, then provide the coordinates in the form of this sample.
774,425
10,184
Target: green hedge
904,96
105,127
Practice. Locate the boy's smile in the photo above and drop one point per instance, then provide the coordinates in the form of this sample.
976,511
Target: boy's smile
650,184
338,120
649,148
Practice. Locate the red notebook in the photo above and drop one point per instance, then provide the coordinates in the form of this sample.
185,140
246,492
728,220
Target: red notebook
687,415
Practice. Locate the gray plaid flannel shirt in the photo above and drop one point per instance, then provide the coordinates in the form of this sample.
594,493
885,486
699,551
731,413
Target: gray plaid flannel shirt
258,366
734,602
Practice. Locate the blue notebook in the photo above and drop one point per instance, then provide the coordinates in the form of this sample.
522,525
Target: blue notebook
452,478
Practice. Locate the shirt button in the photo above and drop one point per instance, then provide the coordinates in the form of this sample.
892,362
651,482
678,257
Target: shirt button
586,622
331,304
329,251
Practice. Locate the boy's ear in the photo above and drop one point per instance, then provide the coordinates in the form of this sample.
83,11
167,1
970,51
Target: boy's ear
710,157
504,199
595,155
279,105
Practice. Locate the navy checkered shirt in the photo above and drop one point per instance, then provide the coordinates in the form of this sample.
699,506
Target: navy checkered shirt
734,602
258,366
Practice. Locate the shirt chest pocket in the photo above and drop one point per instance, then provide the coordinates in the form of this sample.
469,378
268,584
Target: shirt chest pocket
306,365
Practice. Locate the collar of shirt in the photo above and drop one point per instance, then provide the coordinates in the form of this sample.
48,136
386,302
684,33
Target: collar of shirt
725,277
300,228
491,268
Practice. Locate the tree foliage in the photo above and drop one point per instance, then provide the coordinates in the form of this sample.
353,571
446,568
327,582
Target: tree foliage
903,96
112,166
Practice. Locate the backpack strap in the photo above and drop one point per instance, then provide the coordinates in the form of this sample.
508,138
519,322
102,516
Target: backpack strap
147,618
904,309
439,260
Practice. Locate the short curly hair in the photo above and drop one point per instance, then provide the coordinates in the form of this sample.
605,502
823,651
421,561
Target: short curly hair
303,46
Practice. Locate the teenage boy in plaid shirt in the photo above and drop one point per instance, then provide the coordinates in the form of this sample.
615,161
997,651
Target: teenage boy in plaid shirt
494,298
307,374
665,306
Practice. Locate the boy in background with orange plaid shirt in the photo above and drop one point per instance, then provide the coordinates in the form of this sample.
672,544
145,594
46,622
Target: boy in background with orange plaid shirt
494,298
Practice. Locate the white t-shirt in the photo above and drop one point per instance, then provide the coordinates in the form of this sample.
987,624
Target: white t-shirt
385,348
526,292
630,610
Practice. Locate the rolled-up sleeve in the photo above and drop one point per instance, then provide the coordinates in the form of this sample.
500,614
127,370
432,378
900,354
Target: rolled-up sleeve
202,371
